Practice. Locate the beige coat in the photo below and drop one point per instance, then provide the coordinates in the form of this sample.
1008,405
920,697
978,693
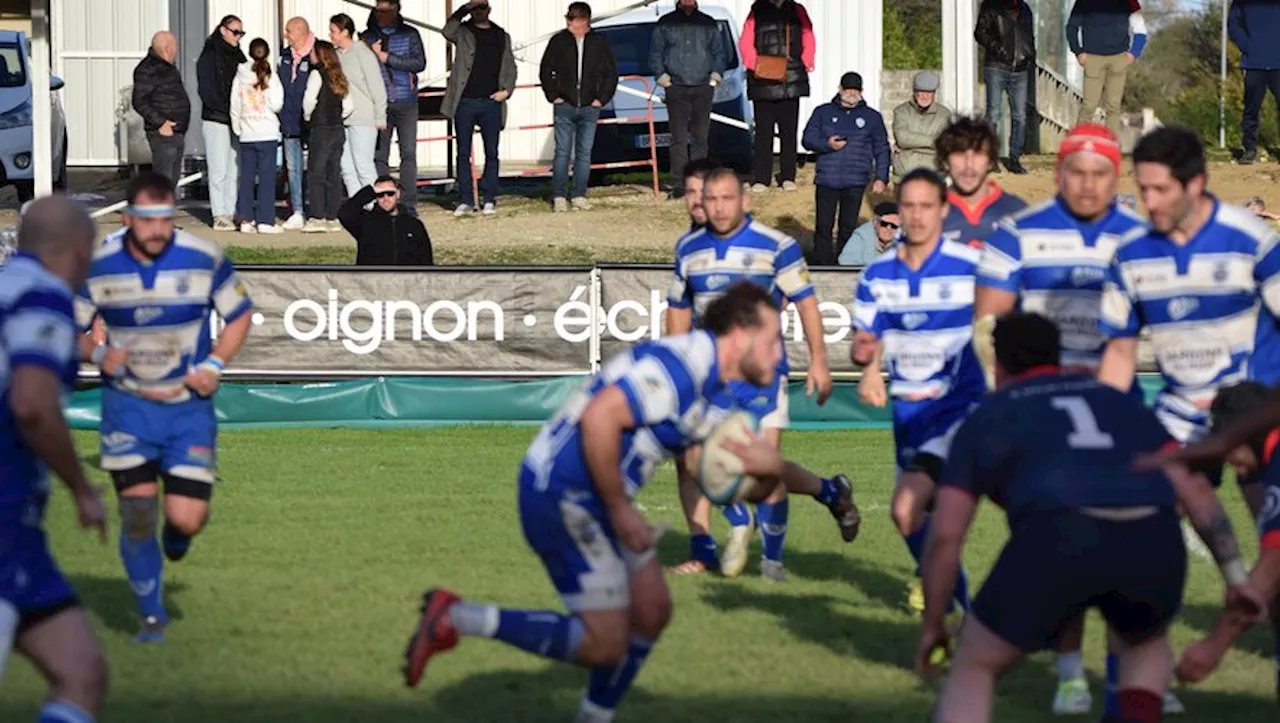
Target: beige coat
914,131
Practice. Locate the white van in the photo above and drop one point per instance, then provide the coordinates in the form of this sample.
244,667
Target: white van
630,35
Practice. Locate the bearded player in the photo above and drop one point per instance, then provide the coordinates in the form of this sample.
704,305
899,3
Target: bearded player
967,153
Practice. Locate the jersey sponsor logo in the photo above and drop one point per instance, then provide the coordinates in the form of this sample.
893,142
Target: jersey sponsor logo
117,441
1084,276
1194,358
718,281
144,315
1182,307
914,319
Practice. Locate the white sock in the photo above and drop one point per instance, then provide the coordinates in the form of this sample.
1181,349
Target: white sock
1070,666
475,620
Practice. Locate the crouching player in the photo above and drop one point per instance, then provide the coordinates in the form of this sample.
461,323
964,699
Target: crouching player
1056,452
576,488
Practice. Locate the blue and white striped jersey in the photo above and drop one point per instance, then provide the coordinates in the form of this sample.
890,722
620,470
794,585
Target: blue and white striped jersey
676,396
159,311
706,265
1057,266
925,320
36,329
1202,304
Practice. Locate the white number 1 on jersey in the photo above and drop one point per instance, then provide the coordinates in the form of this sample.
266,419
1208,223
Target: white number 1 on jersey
1085,433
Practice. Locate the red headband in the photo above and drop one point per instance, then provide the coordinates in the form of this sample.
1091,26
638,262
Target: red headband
1091,138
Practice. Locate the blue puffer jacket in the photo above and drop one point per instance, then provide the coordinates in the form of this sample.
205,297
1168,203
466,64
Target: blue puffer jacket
1255,28
408,58
866,156
295,87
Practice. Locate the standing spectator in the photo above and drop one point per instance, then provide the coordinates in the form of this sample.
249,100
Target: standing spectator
579,76
295,69
1106,36
917,123
483,78
387,234
399,49
688,58
215,72
161,100
872,238
778,49
1006,33
256,97
369,100
853,152
325,107
1254,26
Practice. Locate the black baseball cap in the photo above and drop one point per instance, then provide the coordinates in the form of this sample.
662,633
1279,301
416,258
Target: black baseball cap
886,208
851,81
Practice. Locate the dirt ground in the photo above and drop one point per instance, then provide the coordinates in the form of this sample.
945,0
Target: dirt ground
627,224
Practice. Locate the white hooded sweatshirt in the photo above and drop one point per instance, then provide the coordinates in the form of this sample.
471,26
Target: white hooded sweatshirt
253,111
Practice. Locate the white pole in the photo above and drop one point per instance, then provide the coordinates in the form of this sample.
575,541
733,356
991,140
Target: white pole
41,107
1222,86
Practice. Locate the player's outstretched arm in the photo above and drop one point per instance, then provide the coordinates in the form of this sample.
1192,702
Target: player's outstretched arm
989,304
232,338
602,425
1202,658
1216,446
1119,363
819,368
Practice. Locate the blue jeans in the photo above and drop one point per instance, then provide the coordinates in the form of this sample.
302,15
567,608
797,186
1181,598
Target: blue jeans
576,134
999,82
487,114
293,162
220,148
257,171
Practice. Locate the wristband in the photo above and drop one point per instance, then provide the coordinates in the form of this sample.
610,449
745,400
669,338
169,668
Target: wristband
99,353
1235,573
213,364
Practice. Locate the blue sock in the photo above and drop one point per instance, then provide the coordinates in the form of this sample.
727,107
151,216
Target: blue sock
703,549
144,565
542,632
829,494
915,543
738,515
773,528
609,685
1111,699
59,711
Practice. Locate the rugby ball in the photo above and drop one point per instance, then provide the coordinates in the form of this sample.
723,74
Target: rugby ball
720,471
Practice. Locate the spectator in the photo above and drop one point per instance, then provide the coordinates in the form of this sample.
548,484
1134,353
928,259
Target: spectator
215,72
1258,207
853,152
387,234
872,238
688,58
1106,36
483,78
399,49
1254,26
917,123
325,106
161,100
256,97
579,76
778,49
369,103
295,69
1006,33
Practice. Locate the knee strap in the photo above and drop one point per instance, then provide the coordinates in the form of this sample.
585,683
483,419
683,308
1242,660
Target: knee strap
138,515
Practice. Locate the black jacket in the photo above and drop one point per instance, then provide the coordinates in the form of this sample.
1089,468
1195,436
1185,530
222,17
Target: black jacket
215,70
559,74
158,94
771,25
689,47
1008,39
383,239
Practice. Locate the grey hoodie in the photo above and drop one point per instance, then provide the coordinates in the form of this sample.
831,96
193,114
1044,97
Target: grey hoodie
368,92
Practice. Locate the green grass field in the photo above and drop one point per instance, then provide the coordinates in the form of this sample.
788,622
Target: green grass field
295,603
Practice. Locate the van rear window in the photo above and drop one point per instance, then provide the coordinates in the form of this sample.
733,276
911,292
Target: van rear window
631,45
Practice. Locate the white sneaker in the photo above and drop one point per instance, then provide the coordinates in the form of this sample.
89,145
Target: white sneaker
759,188
1073,698
315,225
733,560
269,228
247,227
490,209
463,210
789,186
773,571
1173,706
295,222
224,223
559,205
334,225
581,204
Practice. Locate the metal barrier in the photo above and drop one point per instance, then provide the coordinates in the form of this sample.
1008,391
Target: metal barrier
476,174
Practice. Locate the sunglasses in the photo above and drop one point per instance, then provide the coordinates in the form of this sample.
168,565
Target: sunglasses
386,194
237,33
886,224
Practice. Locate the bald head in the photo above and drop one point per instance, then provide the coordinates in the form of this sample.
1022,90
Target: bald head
165,44
59,232
297,32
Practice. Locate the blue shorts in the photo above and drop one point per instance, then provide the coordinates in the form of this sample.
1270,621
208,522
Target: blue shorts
30,580
770,404
1056,566
180,439
571,533
927,434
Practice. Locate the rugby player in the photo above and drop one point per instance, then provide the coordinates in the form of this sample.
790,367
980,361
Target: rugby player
736,247
967,154
1055,451
576,487
1052,259
39,612
913,309
153,289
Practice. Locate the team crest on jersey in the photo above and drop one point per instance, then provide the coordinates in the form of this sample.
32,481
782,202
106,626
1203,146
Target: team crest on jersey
717,281
184,284
1220,272
47,332
1182,307
1086,275
944,292
747,261
914,319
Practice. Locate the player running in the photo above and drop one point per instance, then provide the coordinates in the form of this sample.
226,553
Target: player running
1052,259
967,153
735,247
1055,451
576,488
914,310
39,612
154,288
